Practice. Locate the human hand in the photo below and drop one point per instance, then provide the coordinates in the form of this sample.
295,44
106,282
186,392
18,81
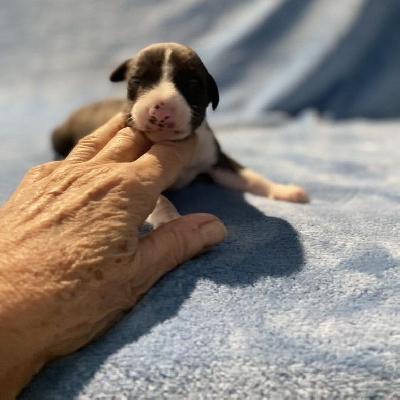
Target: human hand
72,261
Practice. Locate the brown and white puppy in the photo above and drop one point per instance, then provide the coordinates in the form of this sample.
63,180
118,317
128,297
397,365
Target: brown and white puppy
169,90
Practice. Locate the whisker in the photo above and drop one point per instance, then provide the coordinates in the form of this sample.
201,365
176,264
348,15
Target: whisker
129,120
196,115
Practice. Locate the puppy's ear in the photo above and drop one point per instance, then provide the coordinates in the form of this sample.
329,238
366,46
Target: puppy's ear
213,93
120,73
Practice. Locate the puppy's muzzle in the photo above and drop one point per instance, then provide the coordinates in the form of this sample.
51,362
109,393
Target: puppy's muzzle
162,115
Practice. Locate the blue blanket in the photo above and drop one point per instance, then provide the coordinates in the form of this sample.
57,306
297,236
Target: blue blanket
300,301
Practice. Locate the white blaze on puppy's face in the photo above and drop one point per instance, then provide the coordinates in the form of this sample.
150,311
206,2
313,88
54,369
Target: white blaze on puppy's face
161,112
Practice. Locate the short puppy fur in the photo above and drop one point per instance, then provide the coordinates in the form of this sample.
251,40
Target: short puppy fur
168,92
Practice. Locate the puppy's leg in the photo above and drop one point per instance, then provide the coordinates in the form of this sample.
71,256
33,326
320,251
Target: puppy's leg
163,212
229,173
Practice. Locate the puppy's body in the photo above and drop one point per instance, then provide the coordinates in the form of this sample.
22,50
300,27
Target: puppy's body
168,92
84,121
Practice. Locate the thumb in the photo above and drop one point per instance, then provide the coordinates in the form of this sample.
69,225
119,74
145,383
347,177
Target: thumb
178,241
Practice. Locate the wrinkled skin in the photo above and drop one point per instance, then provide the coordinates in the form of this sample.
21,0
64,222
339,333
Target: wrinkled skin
71,260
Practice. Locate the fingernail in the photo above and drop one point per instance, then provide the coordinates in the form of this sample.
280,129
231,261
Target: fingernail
213,232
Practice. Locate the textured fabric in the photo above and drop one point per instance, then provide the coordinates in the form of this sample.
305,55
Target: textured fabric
300,301
340,57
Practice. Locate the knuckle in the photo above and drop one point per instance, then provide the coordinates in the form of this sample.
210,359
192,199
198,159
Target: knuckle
136,183
125,132
90,142
39,170
175,153
146,175
180,250
124,140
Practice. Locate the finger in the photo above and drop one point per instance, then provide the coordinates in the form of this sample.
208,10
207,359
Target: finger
90,145
163,163
127,145
35,174
176,242
39,172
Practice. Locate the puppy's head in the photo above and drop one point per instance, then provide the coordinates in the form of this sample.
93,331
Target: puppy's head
169,90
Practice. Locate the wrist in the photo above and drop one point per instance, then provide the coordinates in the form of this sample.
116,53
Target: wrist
18,365
21,352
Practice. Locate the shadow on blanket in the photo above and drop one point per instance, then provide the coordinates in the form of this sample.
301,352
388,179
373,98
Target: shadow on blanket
257,247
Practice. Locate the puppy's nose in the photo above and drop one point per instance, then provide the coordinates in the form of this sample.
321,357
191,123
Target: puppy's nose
161,112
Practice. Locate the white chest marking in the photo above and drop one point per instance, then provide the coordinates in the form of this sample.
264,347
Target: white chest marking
204,157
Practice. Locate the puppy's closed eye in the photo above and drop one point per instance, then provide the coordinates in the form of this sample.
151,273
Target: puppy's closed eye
133,87
193,83
189,83
142,81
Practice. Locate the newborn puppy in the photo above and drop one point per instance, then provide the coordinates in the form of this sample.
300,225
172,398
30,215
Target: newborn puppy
169,90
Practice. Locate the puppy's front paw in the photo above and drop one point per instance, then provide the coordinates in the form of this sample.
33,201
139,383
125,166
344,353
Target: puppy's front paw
163,212
292,193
